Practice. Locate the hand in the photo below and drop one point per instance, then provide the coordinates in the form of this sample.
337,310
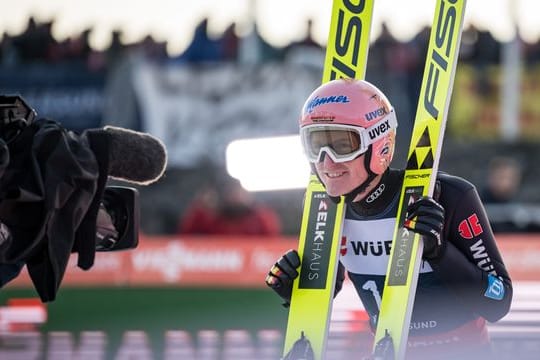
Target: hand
282,274
426,217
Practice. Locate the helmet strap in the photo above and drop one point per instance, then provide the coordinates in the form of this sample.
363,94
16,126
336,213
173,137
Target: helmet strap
349,198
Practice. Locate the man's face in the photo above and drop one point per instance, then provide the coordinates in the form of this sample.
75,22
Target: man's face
341,178
505,181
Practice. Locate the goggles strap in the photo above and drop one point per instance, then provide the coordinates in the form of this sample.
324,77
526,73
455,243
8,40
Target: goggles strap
380,129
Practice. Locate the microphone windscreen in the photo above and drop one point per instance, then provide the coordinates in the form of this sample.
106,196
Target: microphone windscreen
135,157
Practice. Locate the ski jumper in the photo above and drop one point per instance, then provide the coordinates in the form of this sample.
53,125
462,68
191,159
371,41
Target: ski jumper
455,294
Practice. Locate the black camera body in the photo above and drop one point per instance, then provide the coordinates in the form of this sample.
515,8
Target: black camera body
54,193
121,206
118,217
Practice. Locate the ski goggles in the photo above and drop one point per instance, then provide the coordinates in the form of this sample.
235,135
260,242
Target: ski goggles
343,142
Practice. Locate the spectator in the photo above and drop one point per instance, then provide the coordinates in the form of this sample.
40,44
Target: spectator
229,44
500,195
202,47
503,181
228,209
306,51
36,42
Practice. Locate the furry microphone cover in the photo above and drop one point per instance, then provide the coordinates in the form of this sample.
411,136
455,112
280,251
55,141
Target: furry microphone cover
135,157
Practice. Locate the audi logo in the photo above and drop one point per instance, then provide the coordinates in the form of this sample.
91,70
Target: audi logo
374,195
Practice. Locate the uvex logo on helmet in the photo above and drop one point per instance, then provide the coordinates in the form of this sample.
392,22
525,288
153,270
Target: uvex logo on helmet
317,101
372,115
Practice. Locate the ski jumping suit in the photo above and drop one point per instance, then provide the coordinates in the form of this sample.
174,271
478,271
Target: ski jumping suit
455,294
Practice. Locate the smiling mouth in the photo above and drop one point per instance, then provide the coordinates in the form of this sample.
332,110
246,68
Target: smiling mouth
334,175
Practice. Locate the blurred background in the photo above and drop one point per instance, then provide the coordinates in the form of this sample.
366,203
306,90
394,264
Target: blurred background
209,77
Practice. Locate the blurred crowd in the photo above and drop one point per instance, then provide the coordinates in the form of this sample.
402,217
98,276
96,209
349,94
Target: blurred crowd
222,206
36,44
213,211
501,193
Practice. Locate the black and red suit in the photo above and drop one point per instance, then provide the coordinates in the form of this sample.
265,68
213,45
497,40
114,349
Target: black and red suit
456,293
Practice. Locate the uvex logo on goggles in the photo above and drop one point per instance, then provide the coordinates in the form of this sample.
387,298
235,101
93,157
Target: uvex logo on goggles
326,100
379,129
343,142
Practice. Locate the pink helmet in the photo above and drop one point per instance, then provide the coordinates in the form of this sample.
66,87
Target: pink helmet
357,107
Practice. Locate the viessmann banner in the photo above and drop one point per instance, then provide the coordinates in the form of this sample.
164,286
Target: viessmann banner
180,261
233,261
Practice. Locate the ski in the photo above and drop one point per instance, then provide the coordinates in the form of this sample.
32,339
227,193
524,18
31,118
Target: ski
420,173
322,219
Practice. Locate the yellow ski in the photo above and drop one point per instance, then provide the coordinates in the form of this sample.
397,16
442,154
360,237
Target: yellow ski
422,164
322,220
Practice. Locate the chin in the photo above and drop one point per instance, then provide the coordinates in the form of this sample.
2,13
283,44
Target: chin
333,192
336,187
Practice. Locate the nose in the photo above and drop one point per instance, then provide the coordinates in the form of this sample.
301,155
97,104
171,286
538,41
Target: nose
325,159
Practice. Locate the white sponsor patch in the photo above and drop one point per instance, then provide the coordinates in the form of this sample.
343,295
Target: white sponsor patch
368,245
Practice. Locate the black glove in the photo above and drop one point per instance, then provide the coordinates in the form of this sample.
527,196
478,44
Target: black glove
282,274
426,217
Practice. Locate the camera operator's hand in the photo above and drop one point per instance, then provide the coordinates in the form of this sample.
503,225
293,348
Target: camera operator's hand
282,274
426,217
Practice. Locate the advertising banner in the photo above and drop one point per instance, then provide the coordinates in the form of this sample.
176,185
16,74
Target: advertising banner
213,261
